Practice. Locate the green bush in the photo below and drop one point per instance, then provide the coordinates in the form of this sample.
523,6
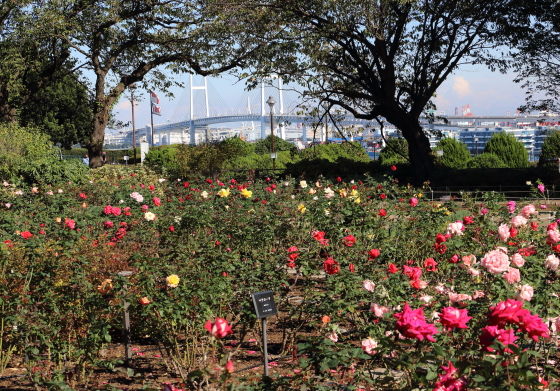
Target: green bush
510,151
163,158
264,146
486,160
550,149
332,152
394,152
22,147
57,172
455,154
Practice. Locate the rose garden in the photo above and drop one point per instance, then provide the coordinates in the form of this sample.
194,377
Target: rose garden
376,286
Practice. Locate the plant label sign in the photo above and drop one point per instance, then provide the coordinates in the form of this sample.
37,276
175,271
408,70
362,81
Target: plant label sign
264,304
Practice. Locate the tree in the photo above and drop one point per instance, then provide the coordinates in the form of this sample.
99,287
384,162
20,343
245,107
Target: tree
63,109
506,147
455,154
125,42
381,59
550,151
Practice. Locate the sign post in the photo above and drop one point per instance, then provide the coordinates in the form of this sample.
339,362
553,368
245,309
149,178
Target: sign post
264,307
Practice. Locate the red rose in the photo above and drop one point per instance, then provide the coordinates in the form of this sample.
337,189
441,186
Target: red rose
172,228
534,225
26,234
430,265
349,240
394,168
382,212
374,253
8,243
152,188
468,220
352,268
339,179
83,195
393,268
382,196
331,266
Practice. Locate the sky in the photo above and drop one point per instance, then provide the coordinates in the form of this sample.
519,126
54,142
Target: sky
488,93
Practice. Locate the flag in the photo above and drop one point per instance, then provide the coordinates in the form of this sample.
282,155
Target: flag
155,99
156,110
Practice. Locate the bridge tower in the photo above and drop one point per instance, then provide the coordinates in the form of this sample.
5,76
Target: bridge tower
264,116
204,87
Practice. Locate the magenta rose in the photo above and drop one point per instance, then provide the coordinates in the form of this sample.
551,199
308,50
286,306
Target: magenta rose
454,318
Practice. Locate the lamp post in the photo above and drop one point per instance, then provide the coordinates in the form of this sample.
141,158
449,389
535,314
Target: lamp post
476,143
271,103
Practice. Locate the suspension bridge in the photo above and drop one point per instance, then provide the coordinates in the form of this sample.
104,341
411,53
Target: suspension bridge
201,108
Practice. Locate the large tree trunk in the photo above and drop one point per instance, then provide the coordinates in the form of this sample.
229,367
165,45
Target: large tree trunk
103,106
419,150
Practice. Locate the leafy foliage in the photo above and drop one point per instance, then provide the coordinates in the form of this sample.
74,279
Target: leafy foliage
394,152
508,149
486,160
22,148
455,154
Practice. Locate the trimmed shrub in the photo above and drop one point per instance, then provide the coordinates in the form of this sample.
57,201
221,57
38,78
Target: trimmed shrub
550,149
455,154
510,151
395,152
162,158
486,160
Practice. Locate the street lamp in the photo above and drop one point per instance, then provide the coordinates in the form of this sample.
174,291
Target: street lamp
476,142
271,103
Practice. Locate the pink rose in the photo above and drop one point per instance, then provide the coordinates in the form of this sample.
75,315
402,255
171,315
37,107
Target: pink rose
219,329
368,345
457,297
518,221
108,210
528,210
551,262
333,336
495,262
503,233
379,310
512,275
478,294
413,201
452,317
412,324
517,260
473,272
368,285
468,260
525,292
553,236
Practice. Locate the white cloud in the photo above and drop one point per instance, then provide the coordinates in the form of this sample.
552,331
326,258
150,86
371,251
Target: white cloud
461,86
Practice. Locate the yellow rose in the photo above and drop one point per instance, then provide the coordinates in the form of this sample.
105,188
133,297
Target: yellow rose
357,200
173,281
301,208
223,193
246,193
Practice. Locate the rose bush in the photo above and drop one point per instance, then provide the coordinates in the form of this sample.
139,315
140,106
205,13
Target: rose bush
417,287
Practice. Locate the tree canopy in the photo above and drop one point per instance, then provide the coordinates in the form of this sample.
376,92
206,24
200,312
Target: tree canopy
382,59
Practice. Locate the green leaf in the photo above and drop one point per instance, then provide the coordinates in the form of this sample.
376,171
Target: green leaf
478,378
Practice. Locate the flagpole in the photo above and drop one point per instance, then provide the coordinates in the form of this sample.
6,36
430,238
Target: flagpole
152,116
